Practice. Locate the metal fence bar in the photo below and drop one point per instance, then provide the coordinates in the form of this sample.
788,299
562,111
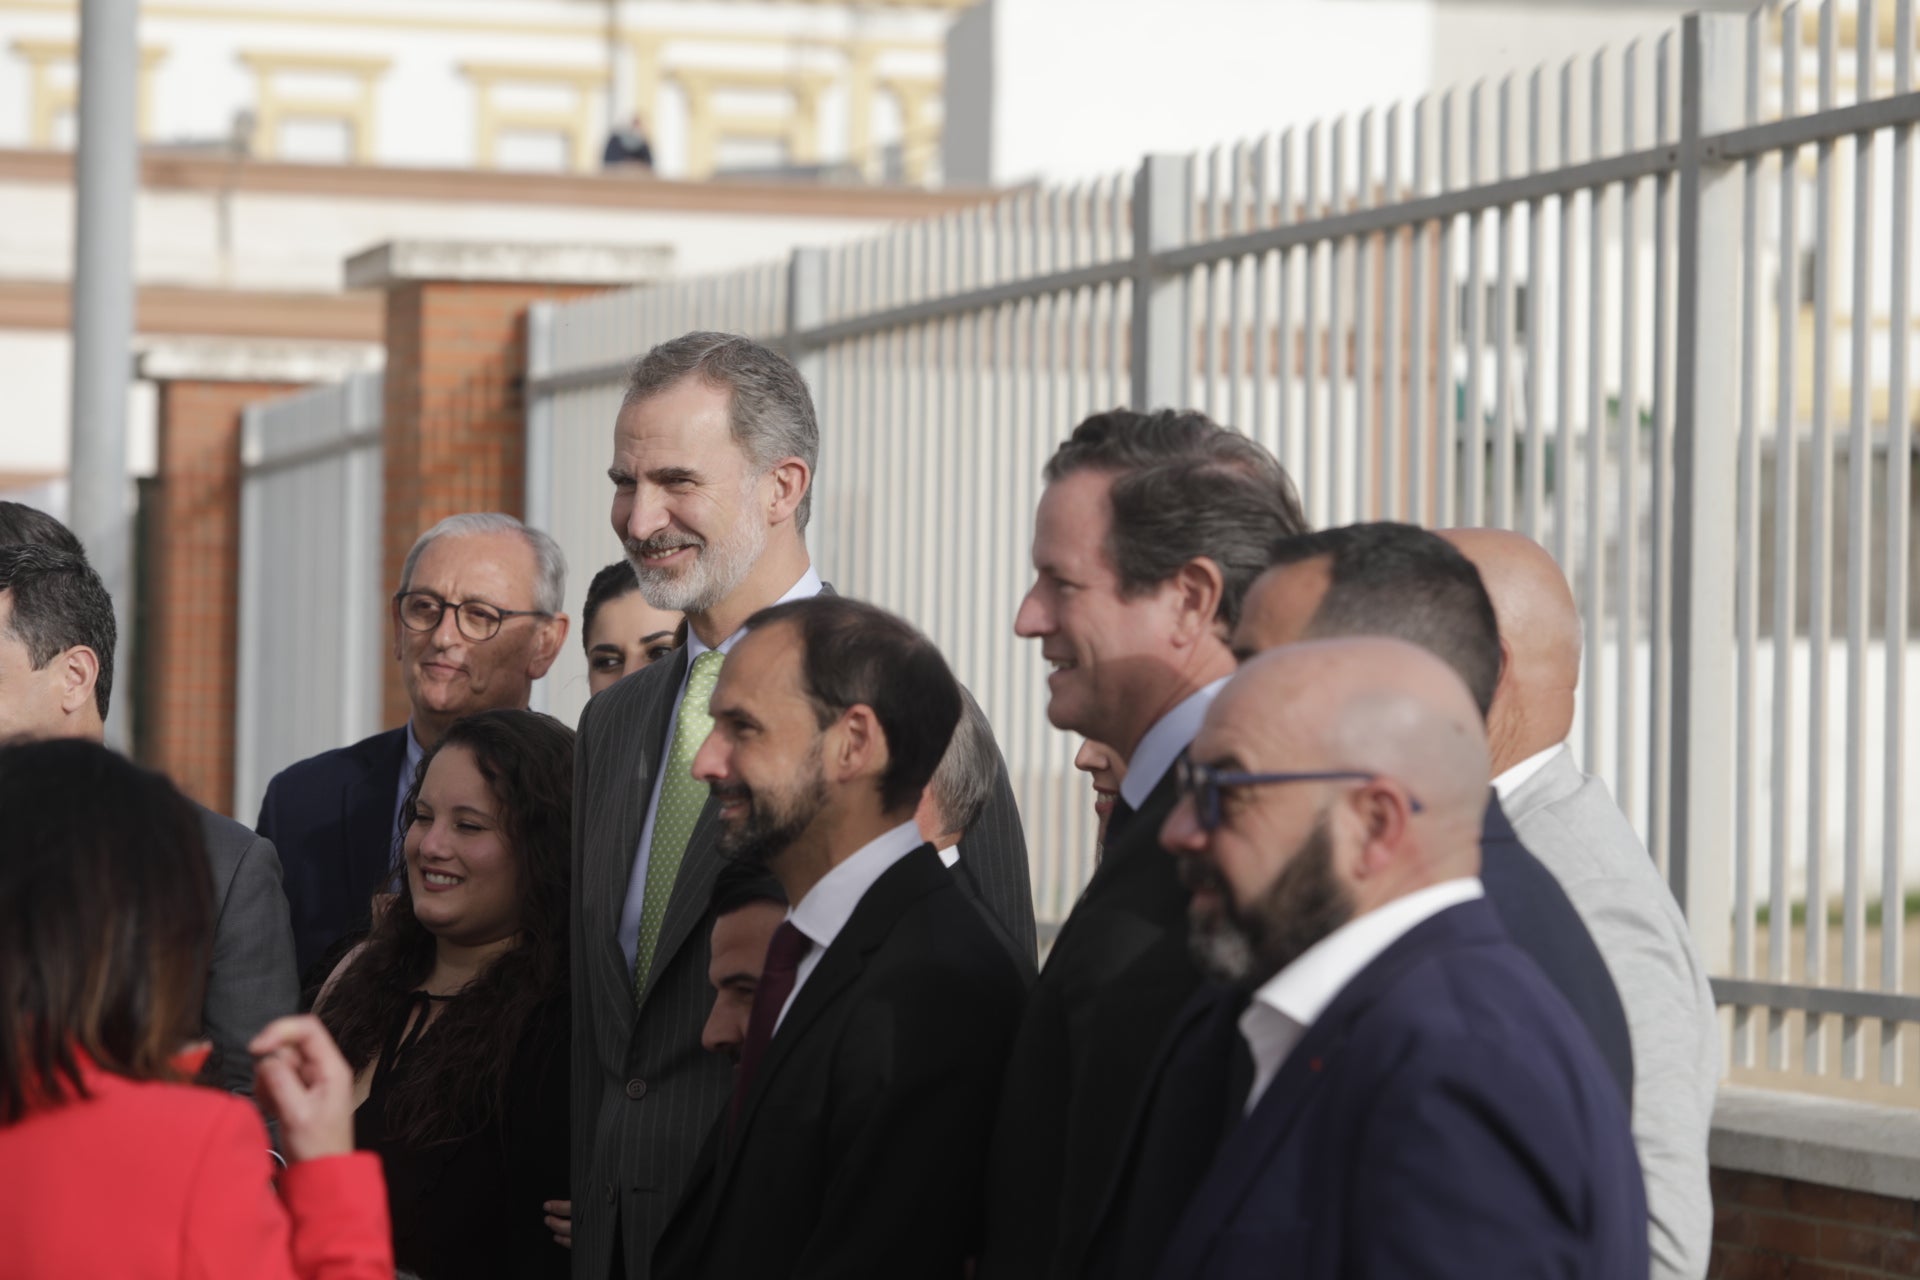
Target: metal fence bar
1860,511
1786,547
1747,565
1898,543
1704,453
1627,453
1446,402
1593,604
1820,588
1533,480
1388,438
1419,420
1659,511
1563,365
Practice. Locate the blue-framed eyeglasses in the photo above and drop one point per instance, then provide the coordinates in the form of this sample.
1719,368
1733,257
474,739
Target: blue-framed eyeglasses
1204,784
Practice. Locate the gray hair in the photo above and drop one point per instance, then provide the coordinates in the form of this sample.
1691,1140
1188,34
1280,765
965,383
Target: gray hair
771,413
962,783
550,563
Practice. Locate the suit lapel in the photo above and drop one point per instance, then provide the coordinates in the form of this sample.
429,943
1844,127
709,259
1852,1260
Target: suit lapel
635,733
919,873
366,816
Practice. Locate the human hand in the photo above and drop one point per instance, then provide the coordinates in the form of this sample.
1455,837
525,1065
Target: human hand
300,1076
560,1221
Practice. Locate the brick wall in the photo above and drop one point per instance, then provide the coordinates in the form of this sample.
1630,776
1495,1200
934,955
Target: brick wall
1770,1228
455,422
188,652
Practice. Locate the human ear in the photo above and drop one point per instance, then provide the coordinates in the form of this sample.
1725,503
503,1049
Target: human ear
791,479
548,639
78,671
1197,587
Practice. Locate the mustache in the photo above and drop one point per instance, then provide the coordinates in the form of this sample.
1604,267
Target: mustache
1197,875
730,791
660,544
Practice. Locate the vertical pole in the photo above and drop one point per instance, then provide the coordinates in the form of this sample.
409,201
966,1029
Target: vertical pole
106,171
1707,388
537,499
1162,332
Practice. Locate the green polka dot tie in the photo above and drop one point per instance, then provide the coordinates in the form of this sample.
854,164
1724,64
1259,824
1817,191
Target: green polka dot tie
681,799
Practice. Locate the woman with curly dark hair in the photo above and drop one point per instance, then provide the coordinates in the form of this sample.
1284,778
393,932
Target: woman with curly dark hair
453,1012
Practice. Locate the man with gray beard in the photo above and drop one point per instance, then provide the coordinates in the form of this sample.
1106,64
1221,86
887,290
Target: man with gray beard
1385,1086
714,452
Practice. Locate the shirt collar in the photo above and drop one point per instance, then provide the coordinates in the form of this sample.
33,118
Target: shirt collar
1173,733
1517,776
805,589
824,912
1303,990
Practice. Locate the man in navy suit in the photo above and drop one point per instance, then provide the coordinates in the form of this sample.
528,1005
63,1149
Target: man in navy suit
477,619
1412,1097
1403,582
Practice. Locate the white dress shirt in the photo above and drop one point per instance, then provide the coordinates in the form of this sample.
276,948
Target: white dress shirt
806,588
1516,776
1171,734
824,912
1294,998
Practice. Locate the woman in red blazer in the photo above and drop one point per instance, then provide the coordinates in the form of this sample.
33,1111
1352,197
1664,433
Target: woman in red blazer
110,1163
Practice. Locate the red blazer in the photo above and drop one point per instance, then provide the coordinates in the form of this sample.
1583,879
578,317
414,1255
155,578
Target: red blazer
146,1181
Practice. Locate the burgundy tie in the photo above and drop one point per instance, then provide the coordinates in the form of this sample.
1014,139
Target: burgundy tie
784,954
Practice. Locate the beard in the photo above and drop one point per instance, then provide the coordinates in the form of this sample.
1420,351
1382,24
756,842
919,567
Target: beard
717,568
772,821
1248,945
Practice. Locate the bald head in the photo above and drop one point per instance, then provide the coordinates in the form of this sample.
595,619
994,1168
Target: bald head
1540,635
1367,703
1289,861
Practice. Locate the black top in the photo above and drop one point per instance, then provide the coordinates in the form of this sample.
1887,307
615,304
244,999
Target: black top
472,1206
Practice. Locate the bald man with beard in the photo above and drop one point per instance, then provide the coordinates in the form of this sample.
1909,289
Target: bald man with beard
1570,822
1415,1099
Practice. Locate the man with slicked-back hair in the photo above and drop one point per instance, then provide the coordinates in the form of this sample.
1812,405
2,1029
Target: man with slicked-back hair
1149,530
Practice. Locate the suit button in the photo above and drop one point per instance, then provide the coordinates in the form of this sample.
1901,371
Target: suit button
636,1089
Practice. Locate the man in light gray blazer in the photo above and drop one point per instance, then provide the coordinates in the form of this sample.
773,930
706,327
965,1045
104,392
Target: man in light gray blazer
713,458
1572,824
57,630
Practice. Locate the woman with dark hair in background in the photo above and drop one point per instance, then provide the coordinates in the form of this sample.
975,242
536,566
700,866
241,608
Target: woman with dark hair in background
621,631
453,1013
111,1162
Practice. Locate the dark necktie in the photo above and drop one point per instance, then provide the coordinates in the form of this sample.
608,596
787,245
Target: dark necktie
784,954
1118,819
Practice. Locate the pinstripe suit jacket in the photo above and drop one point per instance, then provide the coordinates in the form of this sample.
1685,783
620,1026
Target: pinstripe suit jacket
644,1092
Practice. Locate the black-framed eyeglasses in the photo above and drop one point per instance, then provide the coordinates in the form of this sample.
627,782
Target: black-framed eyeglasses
1204,784
477,620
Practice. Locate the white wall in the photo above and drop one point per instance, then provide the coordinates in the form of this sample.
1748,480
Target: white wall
1080,88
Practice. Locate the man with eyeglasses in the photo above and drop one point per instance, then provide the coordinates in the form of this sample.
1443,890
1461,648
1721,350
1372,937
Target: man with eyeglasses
1383,1084
476,620
1148,533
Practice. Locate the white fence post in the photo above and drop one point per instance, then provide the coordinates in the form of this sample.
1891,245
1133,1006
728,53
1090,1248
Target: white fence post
1162,328
806,309
537,495
1707,397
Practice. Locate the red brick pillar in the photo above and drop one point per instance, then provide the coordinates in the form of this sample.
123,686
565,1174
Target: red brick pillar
191,559
456,362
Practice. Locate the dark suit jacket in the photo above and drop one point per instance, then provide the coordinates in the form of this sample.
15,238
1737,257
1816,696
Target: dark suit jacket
861,1147
1543,923
1445,1116
1118,974
644,1092
331,818
251,980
